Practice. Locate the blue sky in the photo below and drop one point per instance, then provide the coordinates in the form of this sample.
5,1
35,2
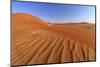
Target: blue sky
56,12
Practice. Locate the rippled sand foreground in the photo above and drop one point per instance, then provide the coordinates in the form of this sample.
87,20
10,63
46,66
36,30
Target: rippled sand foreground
36,42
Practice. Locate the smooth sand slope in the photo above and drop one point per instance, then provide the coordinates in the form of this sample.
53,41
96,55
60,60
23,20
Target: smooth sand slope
36,42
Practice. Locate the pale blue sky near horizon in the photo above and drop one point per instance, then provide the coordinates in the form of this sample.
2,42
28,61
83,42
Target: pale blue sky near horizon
60,13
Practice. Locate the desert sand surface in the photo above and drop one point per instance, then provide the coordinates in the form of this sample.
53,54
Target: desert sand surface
36,42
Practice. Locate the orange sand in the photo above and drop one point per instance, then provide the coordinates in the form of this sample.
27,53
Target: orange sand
36,42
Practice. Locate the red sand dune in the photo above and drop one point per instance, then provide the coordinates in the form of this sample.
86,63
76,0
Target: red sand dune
37,42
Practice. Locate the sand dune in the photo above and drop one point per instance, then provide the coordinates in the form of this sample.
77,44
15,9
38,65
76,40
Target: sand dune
37,42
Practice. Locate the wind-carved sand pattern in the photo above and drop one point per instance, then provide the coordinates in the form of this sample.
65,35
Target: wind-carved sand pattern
37,42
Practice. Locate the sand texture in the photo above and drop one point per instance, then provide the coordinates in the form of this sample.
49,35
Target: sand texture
36,42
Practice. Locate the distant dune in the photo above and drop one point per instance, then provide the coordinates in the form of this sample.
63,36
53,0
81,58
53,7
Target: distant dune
36,42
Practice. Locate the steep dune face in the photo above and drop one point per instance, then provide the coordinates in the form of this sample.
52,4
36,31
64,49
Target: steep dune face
36,42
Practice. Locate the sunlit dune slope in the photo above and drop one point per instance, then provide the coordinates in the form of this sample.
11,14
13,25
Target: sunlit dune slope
36,42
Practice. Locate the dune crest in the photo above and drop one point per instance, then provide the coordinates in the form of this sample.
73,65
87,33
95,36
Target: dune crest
37,42
28,17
